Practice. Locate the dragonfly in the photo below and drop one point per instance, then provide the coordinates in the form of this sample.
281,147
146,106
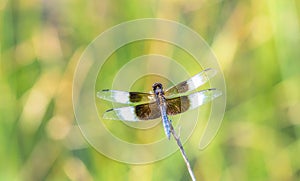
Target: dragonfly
159,102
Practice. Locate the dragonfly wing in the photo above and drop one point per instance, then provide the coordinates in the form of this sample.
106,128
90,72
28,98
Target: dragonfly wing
192,83
177,105
183,103
125,97
134,113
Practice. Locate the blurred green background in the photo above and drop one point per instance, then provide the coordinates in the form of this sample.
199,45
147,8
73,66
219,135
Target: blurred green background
257,43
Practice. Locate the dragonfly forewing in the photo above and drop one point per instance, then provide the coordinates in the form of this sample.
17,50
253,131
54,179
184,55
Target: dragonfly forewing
192,83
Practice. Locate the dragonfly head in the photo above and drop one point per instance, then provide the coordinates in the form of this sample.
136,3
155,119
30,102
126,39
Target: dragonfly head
157,88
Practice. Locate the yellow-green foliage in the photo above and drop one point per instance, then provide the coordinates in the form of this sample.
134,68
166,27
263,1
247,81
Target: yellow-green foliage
257,43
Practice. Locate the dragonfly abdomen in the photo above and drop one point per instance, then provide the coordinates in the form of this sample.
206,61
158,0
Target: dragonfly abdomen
166,125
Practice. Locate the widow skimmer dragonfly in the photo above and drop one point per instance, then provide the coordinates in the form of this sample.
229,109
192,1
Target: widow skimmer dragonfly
160,103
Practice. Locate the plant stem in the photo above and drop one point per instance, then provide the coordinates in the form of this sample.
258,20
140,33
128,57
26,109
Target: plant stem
182,152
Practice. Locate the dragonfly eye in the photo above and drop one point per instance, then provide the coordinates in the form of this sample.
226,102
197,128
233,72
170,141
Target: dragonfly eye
157,87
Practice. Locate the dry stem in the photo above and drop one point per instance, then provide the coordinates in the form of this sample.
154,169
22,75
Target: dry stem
182,152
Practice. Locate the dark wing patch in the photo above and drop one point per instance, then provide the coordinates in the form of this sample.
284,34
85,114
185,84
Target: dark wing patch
177,105
147,111
135,97
179,88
